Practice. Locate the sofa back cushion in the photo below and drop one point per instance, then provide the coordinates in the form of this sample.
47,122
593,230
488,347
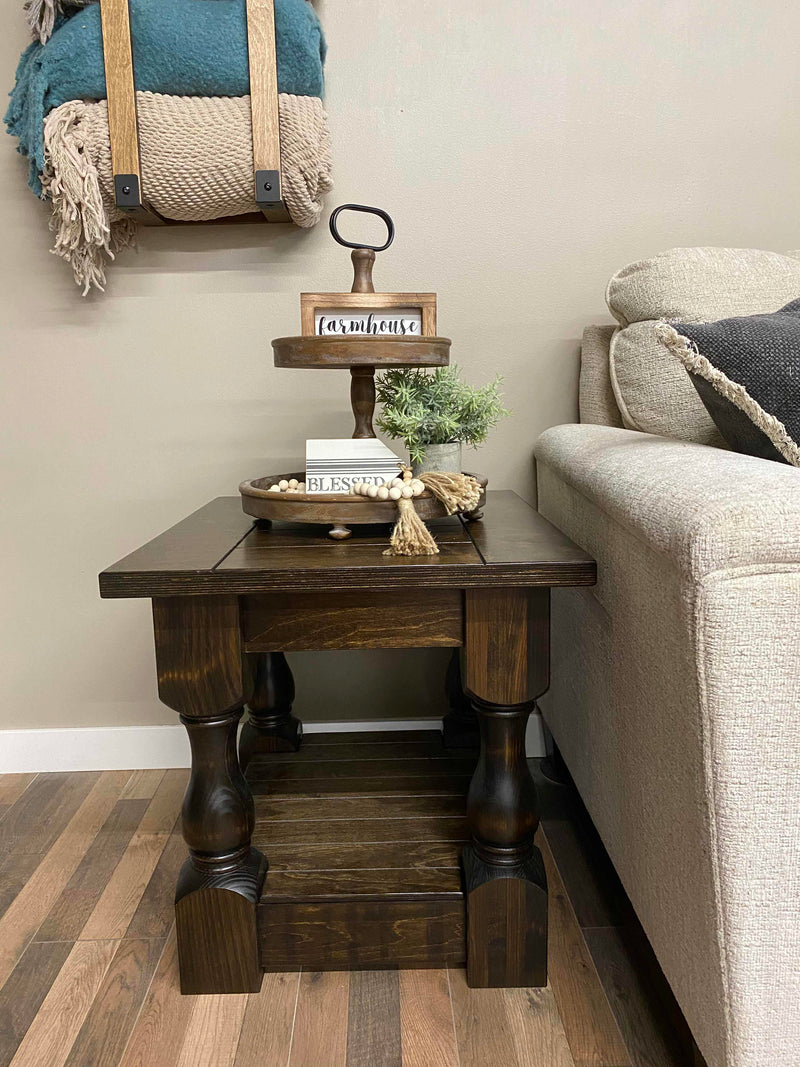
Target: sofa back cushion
653,391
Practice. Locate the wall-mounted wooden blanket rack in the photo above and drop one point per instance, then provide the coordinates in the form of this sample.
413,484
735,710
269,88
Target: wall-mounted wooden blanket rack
130,194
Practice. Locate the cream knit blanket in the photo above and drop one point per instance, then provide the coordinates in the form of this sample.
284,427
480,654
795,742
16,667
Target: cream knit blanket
197,164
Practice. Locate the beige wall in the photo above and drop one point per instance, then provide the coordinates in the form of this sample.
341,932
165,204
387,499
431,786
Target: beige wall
525,149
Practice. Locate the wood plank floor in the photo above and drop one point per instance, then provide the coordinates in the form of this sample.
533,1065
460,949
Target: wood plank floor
88,965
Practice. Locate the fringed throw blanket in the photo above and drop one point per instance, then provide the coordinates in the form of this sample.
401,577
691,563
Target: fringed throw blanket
192,80
197,164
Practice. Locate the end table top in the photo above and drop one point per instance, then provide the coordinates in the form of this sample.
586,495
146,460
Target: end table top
221,550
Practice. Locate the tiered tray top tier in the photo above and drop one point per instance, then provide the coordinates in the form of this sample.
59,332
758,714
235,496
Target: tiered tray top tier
347,352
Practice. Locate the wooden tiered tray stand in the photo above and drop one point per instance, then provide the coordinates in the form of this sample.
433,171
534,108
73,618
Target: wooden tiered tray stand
362,356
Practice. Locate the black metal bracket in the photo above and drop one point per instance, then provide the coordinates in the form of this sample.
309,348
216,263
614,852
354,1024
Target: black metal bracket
128,198
268,187
269,196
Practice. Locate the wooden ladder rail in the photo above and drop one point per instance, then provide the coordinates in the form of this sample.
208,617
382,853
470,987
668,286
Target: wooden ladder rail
123,123
264,109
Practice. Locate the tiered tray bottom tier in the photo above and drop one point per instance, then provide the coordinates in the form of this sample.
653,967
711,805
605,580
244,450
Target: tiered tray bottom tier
363,833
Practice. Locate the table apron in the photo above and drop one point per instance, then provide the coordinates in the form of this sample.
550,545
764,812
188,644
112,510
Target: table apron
294,622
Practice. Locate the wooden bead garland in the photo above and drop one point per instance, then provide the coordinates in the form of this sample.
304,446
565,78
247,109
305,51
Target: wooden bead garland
395,489
292,486
410,536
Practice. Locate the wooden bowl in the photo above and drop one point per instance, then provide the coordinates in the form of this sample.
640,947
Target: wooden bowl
340,510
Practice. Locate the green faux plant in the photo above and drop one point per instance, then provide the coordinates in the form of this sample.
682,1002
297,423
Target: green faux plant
436,408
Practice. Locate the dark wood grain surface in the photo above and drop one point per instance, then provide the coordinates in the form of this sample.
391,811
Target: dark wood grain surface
352,832
367,804
513,532
366,878
339,353
256,565
199,660
321,770
293,622
371,856
411,883
507,655
353,934
219,550
429,750
196,544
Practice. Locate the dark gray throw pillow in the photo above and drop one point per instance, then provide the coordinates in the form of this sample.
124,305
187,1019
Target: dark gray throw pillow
747,373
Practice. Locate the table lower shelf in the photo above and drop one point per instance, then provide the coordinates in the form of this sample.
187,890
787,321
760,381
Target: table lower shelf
363,834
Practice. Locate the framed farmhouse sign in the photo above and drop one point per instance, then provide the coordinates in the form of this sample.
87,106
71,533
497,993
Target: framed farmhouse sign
368,314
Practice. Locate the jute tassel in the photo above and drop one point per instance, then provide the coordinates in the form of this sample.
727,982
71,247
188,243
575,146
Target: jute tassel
458,492
410,536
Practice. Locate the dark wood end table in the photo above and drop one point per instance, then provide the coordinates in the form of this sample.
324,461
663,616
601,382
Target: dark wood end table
230,598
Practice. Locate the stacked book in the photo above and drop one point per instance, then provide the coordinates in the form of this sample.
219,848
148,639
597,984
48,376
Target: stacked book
334,465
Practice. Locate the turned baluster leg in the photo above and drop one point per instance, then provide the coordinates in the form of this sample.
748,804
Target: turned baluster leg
362,379
460,724
203,676
507,660
362,400
271,727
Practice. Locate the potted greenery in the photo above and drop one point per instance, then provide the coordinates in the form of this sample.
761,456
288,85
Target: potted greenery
435,413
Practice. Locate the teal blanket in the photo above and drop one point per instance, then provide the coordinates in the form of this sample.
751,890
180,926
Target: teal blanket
182,48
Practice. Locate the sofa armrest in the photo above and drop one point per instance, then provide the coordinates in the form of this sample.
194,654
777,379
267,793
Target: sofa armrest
707,508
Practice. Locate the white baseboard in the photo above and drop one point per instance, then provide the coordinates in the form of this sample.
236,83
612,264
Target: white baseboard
118,748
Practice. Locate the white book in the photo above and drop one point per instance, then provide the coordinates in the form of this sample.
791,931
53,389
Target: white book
333,465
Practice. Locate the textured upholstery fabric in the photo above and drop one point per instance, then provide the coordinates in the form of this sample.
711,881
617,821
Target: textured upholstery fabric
597,403
653,392
675,700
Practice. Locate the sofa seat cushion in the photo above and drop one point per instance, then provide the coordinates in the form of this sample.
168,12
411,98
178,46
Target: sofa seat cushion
746,371
652,390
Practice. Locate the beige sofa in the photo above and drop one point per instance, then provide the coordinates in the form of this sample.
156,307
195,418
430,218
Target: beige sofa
675,697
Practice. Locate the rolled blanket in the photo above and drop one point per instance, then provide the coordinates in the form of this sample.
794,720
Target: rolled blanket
181,47
197,164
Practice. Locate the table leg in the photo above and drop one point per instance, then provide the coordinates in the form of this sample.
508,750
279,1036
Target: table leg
460,725
507,661
203,676
271,727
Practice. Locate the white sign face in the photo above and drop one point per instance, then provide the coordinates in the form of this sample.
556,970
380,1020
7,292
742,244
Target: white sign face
355,322
333,466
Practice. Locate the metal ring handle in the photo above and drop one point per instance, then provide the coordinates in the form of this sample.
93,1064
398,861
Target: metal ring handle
370,211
